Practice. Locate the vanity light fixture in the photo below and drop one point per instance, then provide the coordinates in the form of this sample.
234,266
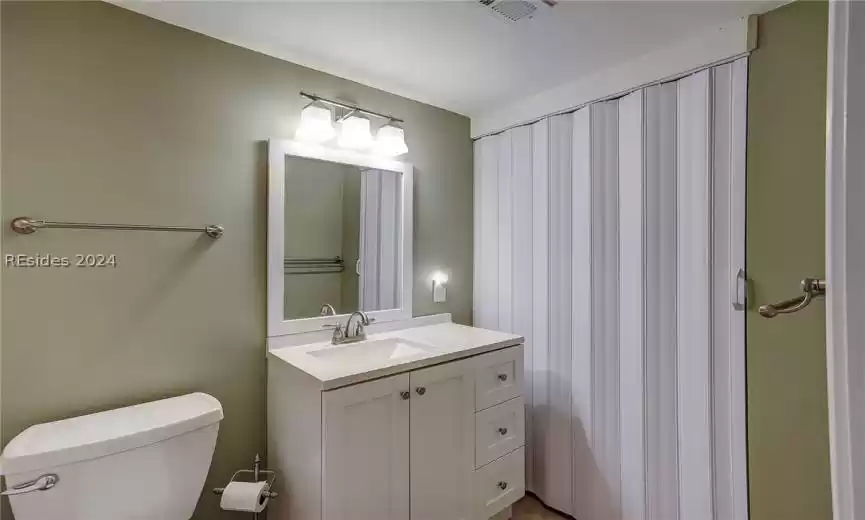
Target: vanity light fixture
439,286
316,124
390,140
354,133
355,127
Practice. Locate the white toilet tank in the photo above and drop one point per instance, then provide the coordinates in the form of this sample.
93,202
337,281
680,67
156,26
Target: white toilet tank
144,462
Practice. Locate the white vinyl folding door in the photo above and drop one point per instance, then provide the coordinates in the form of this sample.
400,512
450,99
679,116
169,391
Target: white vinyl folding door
378,254
612,239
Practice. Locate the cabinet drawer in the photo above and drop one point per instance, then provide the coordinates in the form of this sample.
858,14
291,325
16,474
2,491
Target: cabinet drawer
499,484
499,430
498,377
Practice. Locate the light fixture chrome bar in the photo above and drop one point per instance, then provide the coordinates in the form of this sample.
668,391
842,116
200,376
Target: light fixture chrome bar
355,108
27,226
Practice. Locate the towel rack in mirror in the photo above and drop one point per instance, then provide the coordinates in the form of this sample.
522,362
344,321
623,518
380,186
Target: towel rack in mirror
314,265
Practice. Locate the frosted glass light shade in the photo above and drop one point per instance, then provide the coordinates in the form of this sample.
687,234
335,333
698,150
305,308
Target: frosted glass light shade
316,125
355,134
390,141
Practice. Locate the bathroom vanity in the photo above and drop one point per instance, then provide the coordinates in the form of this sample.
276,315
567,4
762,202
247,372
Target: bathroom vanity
383,417
422,423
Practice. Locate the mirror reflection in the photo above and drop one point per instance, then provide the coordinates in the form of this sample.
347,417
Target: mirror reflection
342,229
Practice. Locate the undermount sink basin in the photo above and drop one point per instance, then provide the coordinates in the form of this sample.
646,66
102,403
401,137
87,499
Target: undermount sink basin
373,351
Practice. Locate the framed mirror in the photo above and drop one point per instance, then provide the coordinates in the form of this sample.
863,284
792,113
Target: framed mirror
339,237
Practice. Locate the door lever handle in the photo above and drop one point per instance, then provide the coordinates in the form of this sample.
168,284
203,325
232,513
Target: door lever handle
812,287
43,483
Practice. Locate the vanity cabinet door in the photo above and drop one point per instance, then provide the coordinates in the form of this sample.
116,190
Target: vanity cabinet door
442,441
366,451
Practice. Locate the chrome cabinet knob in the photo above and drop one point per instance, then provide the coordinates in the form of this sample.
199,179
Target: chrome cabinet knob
503,377
503,485
503,431
420,390
405,394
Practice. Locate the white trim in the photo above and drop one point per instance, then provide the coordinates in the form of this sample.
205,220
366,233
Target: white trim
724,43
277,151
845,256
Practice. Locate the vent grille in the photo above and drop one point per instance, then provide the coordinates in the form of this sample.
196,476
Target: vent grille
510,10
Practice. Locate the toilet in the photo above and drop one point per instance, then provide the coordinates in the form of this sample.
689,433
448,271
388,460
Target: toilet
147,461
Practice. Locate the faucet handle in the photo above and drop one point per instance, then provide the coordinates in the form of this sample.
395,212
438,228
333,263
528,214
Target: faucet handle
338,334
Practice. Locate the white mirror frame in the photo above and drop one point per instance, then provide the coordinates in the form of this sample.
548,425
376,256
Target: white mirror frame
278,149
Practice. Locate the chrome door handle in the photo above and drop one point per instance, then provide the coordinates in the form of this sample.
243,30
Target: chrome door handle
420,390
503,377
43,483
503,485
405,395
812,287
503,431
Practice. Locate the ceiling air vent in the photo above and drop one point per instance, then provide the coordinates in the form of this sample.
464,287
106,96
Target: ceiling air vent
514,10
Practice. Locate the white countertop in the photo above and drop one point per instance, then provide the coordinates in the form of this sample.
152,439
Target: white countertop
441,343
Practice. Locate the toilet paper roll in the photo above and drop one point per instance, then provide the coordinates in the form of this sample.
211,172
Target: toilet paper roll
244,496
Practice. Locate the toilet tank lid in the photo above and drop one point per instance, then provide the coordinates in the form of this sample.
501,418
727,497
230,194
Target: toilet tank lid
96,435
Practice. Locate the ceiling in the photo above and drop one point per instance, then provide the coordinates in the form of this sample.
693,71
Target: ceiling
456,55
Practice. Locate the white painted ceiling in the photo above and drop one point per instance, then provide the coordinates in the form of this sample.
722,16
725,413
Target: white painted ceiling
452,54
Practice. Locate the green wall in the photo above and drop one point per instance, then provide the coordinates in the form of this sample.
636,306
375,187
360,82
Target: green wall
788,429
117,117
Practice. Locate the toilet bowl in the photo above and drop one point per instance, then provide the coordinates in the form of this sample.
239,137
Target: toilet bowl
147,461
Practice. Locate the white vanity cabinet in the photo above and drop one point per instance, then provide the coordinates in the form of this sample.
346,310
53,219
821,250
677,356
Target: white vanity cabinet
366,450
443,442
442,435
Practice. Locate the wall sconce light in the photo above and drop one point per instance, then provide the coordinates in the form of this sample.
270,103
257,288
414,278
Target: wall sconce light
439,286
316,124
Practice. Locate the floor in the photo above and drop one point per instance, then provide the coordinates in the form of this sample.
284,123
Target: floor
530,509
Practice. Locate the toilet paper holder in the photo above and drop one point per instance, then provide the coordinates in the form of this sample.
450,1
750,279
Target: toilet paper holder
257,473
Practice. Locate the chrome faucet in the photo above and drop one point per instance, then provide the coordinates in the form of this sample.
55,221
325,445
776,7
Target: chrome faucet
351,336
327,310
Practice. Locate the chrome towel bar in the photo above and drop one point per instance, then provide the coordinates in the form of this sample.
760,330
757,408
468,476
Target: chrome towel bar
812,287
27,226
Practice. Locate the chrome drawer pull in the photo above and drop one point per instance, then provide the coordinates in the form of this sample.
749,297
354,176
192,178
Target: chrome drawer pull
503,431
503,485
420,390
405,395
43,483
503,377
